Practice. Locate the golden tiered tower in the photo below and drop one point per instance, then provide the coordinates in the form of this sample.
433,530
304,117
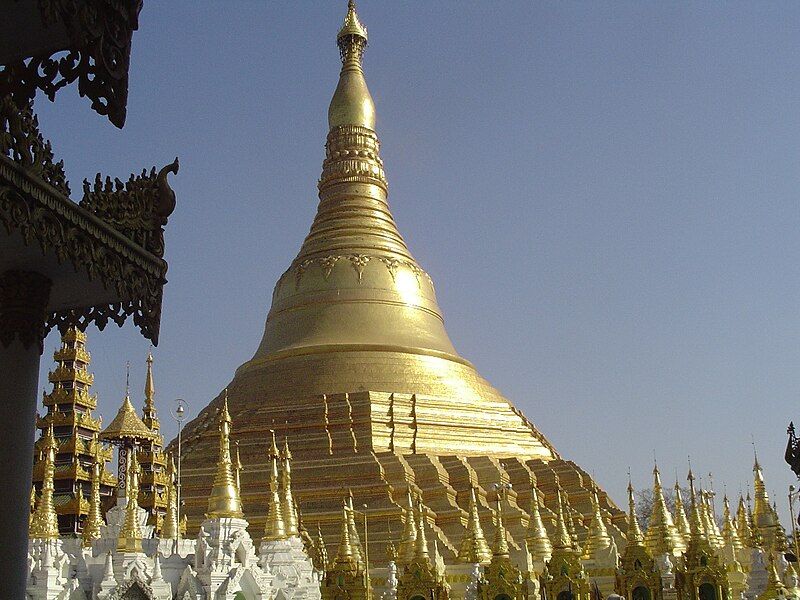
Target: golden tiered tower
69,411
154,481
355,360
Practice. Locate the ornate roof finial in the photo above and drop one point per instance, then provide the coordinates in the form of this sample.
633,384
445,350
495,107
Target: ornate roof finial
237,467
344,554
474,548
351,28
421,543
681,520
288,506
355,540
537,539
275,528
94,520
500,545
598,538
696,519
743,529
662,537
149,415
563,538
130,536
729,533
351,103
634,531
409,538
224,501
44,523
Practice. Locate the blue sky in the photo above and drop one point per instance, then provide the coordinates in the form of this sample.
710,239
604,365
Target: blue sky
604,193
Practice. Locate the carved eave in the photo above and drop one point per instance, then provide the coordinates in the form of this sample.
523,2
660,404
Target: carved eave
48,44
98,273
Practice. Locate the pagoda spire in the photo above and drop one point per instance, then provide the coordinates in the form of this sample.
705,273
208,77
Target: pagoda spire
729,532
152,459
537,539
681,520
474,548
714,534
224,500
355,540
94,521
634,531
421,544
149,415
500,545
662,537
352,103
130,536
409,537
743,528
563,539
169,530
698,533
287,501
344,554
598,538
274,529
765,523
571,515
44,523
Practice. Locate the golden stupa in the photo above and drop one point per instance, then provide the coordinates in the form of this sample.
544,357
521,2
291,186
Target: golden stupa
356,368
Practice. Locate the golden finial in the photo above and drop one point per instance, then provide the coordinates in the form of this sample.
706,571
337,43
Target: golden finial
634,531
275,527
351,27
662,537
474,548
130,536
94,520
287,506
421,543
345,555
537,539
224,501
598,538
696,519
572,515
409,538
743,528
355,540
44,523
500,545
710,522
352,103
681,521
170,530
149,415
149,386
563,539
729,533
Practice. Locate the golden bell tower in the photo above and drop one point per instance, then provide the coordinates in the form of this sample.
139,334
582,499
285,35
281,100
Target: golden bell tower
356,362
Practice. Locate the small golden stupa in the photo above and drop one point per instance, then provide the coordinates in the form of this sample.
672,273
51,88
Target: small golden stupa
356,365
